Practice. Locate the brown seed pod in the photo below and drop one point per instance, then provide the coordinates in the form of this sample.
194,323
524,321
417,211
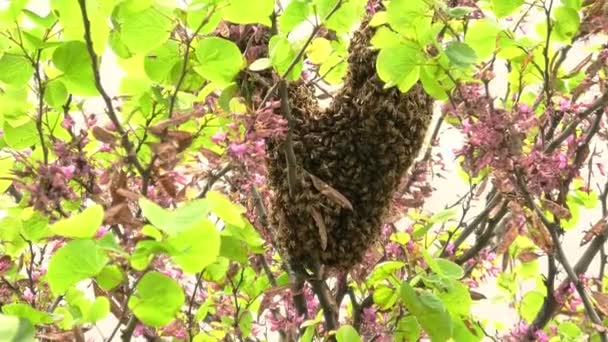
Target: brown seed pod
359,148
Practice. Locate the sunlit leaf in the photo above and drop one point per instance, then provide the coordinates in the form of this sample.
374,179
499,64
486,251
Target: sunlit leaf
481,37
503,8
15,69
220,59
249,12
460,54
347,333
400,65
75,261
15,329
157,299
22,136
429,311
195,248
26,311
295,13
81,225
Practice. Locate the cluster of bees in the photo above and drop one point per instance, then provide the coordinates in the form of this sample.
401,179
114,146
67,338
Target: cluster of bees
350,157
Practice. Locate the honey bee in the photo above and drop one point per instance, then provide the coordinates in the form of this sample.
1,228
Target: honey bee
360,147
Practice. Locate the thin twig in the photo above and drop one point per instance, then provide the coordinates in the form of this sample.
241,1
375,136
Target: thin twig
598,104
552,227
131,156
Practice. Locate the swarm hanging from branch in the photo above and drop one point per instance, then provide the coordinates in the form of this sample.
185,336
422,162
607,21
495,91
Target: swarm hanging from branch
350,160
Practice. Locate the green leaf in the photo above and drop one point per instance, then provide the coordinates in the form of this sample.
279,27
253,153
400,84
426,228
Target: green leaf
385,297
70,19
409,16
459,11
220,60
109,277
35,225
55,93
119,48
145,30
144,251
73,59
408,329
15,70
574,4
430,312
295,13
530,304
81,225
28,312
75,261
195,248
282,55
45,22
159,62
347,333
157,299
569,330
14,105
428,78
379,18
246,323
384,270
503,8
567,22
457,299
319,50
334,69
22,136
221,206
481,37
66,320
450,269
173,222
469,331
14,329
98,310
10,11
343,20
260,64
151,231
460,54
399,65
249,12
233,249
385,37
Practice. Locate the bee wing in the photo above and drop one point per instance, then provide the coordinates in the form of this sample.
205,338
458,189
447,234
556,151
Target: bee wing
330,192
316,215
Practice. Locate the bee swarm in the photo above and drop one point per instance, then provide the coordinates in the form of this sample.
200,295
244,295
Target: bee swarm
350,160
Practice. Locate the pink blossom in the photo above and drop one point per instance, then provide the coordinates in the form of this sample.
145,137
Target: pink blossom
393,250
218,137
541,336
36,274
28,295
68,171
565,105
102,231
67,122
449,249
105,148
238,150
110,126
259,179
139,330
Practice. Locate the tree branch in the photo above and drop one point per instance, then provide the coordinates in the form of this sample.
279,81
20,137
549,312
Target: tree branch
126,144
